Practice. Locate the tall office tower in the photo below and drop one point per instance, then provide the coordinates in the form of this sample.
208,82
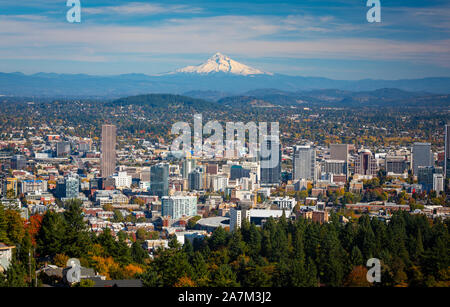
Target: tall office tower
62,149
196,179
339,152
108,158
421,156
212,168
425,175
395,165
447,152
18,162
365,163
304,162
237,172
187,167
438,183
270,164
159,179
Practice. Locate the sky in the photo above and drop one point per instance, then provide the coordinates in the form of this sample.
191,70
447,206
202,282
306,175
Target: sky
305,37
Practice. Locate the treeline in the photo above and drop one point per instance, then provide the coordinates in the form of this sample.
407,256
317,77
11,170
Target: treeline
413,251
55,237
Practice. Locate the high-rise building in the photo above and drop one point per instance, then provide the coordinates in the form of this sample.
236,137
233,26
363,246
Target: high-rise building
270,161
237,172
18,162
438,183
219,183
365,163
426,176
187,167
339,152
421,156
335,167
304,162
108,157
68,188
196,179
176,207
62,149
159,179
395,165
212,168
447,152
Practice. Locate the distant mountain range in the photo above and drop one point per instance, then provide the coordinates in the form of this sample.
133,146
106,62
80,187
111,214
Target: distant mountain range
333,98
215,79
274,98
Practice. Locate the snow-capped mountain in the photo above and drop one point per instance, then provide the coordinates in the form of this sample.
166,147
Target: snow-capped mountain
222,63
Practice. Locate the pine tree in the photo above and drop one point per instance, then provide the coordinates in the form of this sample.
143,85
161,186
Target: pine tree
50,238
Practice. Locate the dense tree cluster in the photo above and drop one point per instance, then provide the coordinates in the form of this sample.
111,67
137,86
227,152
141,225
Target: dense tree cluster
56,237
413,251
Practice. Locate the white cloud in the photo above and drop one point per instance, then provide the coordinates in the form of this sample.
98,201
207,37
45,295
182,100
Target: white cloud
138,8
253,36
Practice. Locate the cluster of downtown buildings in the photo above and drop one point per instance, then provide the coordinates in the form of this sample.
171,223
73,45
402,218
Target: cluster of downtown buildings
162,191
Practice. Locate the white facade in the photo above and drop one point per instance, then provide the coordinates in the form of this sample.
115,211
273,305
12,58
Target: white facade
123,180
304,163
285,202
238,215
219,183
438,183
179,206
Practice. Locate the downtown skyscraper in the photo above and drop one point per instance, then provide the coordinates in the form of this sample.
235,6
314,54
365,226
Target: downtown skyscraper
304,162
108,157
421,156
447,152
270,162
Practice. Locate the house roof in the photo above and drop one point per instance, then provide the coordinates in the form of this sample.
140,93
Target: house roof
3,246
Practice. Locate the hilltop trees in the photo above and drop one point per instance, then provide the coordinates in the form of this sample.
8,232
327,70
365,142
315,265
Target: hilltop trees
284,253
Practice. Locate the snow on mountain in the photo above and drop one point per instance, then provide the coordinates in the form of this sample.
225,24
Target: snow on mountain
222,63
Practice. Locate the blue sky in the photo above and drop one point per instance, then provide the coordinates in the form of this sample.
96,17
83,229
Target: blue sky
309,38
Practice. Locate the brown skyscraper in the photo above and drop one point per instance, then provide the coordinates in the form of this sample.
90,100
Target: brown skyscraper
339,152
108,159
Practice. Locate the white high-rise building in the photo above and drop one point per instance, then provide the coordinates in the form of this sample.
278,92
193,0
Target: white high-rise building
438,183
304,163
219,183
178,206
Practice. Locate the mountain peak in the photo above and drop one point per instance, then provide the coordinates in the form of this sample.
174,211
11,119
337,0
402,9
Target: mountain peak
222,63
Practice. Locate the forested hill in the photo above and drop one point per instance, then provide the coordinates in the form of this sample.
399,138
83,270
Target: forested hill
164,101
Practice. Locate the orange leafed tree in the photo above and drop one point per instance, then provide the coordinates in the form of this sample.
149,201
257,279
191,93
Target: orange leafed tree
33,226
185,282
357,277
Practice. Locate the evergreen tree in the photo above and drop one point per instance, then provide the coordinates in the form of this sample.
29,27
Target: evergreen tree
51,235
